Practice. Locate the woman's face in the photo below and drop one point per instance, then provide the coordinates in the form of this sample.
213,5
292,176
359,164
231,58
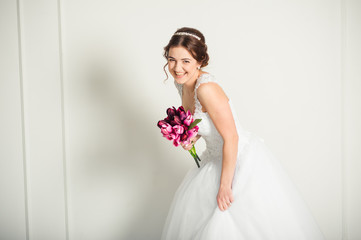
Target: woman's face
182,65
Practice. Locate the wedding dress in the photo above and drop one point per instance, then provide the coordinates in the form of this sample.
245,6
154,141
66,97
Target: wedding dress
266,206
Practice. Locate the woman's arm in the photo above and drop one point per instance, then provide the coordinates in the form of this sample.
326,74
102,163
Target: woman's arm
215,102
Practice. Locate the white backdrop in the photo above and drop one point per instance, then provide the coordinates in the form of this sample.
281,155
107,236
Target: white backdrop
81,91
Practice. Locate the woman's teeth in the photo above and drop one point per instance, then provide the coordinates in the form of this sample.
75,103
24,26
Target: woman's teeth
179,74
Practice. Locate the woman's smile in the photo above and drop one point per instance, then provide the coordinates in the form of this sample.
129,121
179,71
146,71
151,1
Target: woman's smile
180,75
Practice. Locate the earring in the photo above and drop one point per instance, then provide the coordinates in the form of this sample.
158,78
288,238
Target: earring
198,67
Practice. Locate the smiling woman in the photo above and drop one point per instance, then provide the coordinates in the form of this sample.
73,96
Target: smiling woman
240,191
182,65
193,47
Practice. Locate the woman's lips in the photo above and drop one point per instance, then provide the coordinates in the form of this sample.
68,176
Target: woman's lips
180,76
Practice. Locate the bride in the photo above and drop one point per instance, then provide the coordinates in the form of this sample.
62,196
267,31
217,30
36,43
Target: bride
240,190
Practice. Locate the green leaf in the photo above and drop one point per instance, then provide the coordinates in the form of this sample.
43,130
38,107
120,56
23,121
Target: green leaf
193,124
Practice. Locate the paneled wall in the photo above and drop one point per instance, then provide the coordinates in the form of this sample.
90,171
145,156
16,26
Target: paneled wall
31,86
81,90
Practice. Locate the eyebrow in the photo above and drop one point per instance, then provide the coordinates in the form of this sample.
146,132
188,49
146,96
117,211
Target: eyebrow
181,59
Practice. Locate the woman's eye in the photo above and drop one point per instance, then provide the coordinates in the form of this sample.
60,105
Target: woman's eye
186,61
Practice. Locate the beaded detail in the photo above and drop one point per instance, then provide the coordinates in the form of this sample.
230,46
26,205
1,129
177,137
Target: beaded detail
188,34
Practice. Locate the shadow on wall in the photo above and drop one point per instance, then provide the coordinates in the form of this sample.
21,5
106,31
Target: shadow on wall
119,187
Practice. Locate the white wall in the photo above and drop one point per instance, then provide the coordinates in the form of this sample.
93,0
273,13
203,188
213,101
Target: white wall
13,212
33,194
81,90
351,76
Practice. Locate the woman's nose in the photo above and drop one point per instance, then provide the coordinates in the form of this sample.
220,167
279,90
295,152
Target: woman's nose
177,67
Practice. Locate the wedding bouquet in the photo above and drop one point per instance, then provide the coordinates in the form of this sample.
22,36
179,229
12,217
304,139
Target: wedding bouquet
180,126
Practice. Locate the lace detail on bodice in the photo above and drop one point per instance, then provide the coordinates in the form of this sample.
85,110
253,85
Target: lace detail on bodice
207,130
204,78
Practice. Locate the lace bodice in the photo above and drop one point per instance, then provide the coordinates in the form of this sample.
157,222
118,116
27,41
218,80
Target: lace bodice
207,130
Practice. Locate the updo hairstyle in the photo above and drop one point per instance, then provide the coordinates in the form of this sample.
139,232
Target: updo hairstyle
197,48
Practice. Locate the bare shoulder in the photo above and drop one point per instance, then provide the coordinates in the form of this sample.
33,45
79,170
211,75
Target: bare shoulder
210,90
212,98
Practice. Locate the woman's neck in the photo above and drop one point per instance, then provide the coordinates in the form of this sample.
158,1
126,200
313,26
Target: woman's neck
190,85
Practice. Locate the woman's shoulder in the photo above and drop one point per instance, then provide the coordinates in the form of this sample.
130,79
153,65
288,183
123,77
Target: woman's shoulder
210,87
206,77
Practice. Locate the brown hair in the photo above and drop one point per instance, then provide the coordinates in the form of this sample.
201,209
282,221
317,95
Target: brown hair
197,48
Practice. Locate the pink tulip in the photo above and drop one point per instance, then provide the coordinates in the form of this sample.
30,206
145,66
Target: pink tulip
183,115
168,128
164,132
191,133
167,119
164,124
180,110
184,136
177,120
173,135
176,141
188,120
178,129
171,112
161,123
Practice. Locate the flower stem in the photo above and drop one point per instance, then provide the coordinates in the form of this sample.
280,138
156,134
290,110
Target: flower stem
194,155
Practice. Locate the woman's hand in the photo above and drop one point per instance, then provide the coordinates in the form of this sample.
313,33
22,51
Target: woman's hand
224,198
193,141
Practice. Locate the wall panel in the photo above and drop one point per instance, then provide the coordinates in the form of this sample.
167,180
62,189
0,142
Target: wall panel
352,118
43,119
12,190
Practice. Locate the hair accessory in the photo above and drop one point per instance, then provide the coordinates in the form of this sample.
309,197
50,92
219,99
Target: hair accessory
189,34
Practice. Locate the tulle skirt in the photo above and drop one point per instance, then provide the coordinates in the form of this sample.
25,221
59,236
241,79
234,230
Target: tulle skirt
266,206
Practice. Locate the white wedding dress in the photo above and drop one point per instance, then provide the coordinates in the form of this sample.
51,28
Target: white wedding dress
267,205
